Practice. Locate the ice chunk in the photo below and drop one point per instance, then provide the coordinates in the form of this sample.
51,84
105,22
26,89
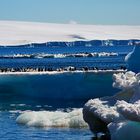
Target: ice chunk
73,119
119,114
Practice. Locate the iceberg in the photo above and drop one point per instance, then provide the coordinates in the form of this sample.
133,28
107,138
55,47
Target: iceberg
119,115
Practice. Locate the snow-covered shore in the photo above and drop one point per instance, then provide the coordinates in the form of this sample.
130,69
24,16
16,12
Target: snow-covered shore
18,33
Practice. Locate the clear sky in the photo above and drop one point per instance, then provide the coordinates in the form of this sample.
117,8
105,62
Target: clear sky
125,12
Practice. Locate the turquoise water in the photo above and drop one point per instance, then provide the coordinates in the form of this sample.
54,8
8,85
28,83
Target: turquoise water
69,89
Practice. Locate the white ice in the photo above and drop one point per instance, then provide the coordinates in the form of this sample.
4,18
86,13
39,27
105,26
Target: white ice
121,112
16,33
72,119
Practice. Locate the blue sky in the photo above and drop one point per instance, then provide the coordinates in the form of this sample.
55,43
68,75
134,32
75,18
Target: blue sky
109,12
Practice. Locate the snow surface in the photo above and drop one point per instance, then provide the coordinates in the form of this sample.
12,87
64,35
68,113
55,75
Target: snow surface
18,33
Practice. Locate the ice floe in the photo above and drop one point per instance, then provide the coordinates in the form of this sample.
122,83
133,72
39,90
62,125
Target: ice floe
71,119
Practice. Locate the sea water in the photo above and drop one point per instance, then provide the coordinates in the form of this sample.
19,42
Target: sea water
36,58
60,92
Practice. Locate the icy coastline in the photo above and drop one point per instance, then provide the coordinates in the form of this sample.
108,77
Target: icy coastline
77,43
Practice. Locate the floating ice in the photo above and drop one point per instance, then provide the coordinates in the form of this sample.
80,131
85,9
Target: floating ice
125,81
73,119
103,110
119,114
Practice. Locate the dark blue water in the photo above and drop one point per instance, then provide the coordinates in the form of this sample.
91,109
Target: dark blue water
52,92
101,62
56,50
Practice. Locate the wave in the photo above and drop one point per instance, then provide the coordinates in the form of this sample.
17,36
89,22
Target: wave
43,55
70,119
